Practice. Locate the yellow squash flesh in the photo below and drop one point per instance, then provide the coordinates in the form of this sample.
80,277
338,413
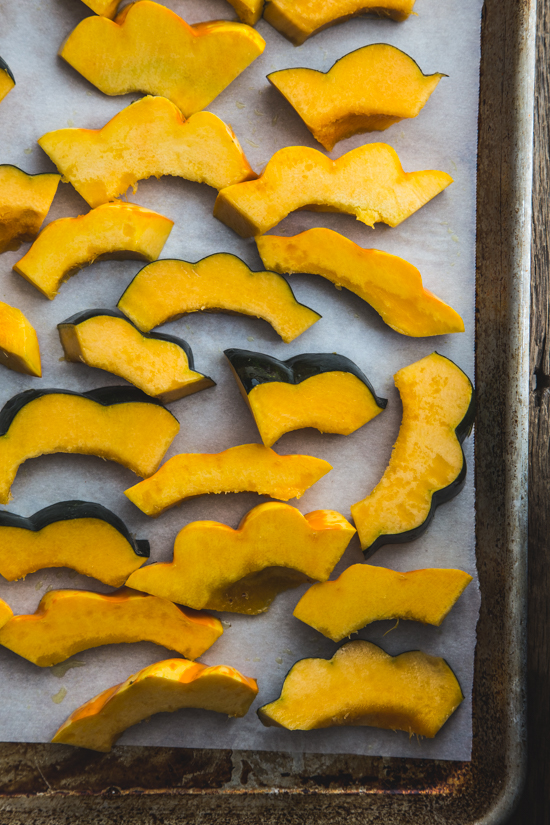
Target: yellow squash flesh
249,11
243,570
25,201
365,594
147,138
111,231
163,687
19,349
6,82
107,8
6,612
362,685
248,468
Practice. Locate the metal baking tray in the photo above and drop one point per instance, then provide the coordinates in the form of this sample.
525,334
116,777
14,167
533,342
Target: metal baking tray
47,784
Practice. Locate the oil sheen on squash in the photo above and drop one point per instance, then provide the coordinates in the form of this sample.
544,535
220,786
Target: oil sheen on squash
70,621
365,594
241,571
19,349
249,11
7,80
368,182
25,201
363,685
163,687
427,465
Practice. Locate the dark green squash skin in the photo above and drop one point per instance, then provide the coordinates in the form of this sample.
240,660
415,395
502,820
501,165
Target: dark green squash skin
74,509
5,68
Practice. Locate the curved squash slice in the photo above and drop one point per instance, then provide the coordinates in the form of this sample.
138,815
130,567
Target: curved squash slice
111,231
6,612
241,571
368,182
107,8
321,390
300,19
149,137
427,465
119,423
148,48
81,535
160,365
249,11
365,91
391,285
365,594
70,621
248,468
163,687
25,201
19,349
7,80
362,685
166,290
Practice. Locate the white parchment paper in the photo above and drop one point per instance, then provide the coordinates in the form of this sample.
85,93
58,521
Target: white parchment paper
439,240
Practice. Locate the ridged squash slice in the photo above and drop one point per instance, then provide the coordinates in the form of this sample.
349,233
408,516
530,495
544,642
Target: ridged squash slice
248,468
117,423
300,19
365,594
365,91
391,285
427,466
322,390
7,80
163,687
368,182
112,231
25,201
160,365
19,349
148,48
70,621
241,571
107,8
149,137
249,11
167,290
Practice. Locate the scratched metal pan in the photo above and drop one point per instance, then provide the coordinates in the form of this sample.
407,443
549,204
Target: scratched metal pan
42,784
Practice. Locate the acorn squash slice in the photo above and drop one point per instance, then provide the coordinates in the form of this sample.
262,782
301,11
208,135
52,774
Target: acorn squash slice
167,290
365,594
322,390
148,48
112,231
298,20
241,571
367,90
25,201
363,685
117,423
427,466
163,687
19,349
149,137
249,11
7,80
391,285
81,535
70,621
247,468
368,182
160,365
107,8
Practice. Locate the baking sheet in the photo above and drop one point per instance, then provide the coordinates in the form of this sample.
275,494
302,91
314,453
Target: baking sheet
439,239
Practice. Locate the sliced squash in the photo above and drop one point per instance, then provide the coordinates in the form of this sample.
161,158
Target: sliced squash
119,423
363,685
70,621
391,285
7,80
241,571
249,11
160,365
163,687
367,90
25,201
167,290
148,48
368,182
149,137
107,8
248,468
427,465
81,535
365,594
322,390
111,231
19,349
5,612
300,19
